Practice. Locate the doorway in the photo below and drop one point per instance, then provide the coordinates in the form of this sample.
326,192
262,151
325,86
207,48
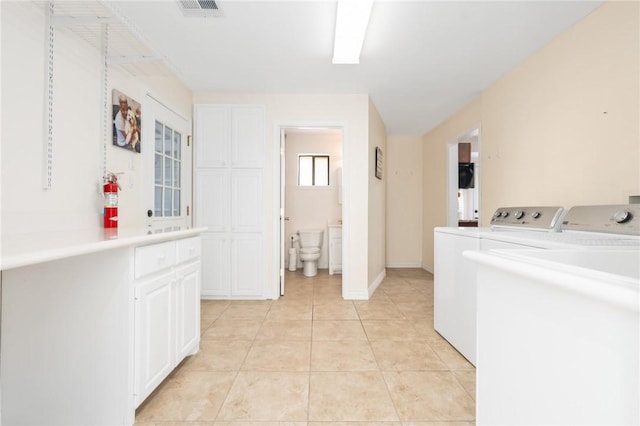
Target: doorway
311,181
463,183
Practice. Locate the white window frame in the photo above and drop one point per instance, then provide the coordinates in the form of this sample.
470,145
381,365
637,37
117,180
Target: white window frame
313,161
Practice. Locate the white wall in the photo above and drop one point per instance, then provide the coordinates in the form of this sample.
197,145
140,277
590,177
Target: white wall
347,111
404,202
312,207
75,201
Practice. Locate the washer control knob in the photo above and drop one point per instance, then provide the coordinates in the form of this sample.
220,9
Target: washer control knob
505,213
497,214
518,214
536,215
622,216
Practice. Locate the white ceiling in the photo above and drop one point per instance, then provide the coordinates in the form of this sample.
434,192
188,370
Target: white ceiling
421,60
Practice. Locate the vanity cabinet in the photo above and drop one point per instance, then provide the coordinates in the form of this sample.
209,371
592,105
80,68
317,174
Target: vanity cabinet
335,249
166,310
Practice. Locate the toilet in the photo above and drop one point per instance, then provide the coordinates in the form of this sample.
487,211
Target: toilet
310,243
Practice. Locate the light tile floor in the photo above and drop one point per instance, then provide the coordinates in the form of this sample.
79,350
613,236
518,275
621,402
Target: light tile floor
313,359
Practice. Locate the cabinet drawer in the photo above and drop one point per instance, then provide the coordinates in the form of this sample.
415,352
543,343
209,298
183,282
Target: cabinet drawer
187,249
156,257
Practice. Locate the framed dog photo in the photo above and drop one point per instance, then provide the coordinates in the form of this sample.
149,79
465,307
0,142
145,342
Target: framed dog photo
127,123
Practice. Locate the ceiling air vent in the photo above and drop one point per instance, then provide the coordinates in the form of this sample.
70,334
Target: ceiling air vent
200,8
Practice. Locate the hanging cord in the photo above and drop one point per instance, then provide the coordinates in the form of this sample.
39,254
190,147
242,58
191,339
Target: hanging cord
48,155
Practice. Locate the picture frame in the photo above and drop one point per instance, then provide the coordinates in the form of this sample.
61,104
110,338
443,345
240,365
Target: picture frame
379,163
126,122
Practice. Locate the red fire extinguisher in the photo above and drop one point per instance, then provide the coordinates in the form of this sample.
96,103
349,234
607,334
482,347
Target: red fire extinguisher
111,201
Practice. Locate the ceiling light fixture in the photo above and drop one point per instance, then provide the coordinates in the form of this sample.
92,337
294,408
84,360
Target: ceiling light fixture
351,25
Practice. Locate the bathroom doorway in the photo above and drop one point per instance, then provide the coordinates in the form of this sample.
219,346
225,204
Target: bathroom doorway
311,174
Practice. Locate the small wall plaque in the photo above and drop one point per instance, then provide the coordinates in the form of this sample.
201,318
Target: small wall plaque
378,163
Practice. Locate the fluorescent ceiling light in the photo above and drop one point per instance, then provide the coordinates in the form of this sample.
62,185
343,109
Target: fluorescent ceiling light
351,25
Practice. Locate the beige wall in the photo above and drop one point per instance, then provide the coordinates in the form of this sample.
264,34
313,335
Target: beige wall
560,129
312,207
75,200
403,167
434,173
377,200
347,111
566,121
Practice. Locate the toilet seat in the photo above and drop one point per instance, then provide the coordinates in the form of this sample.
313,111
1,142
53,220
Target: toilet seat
309,250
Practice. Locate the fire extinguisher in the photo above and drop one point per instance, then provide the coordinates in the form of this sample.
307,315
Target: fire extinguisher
111,187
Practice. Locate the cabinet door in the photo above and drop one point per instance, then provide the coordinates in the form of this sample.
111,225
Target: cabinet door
212,199
247,136
187,310
247,265
216,264
246,201
336,247
154,337
212,137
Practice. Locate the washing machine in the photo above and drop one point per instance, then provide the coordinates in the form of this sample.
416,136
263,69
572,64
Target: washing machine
455,276
561,327
516,228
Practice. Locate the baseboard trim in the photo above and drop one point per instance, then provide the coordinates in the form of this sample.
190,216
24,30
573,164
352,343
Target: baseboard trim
428,268
374,285
404,265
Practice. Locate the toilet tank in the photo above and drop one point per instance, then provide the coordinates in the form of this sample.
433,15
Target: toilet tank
310,237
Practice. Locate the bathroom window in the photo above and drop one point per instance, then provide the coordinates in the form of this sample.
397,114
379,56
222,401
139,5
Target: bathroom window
313,170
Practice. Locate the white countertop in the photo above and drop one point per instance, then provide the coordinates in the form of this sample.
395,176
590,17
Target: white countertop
30,249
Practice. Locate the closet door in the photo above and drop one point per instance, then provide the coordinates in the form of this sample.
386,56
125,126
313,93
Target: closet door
213,207
246,201
230,153
247,265
216,265
212,135
247,137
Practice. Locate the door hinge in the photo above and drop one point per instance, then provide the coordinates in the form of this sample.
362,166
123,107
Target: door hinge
187,210
189,140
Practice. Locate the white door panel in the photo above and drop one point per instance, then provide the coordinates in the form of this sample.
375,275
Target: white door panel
213,135
246,201
247,141
212,209
216,271
247,265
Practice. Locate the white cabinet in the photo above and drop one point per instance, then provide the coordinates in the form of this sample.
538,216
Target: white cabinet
335,249
154,316
166,310
229,142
